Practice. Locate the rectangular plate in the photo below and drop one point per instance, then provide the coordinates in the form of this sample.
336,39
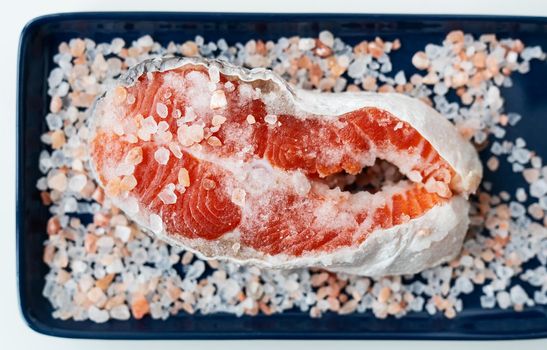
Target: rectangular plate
39,42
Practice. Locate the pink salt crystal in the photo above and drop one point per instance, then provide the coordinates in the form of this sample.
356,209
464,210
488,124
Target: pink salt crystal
218,100
384,295
120,94
167,195
56,104
161,110
149,125
58,182
218,120
175,149
161,155
238,196
493,163
420,60
531,175
163,126
134,156
128,183
270,119
251,119
214,141
183,177
208,184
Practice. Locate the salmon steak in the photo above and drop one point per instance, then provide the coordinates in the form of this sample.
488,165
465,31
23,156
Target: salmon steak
236,164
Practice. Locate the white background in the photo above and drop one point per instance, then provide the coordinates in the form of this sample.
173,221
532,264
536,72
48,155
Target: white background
14,334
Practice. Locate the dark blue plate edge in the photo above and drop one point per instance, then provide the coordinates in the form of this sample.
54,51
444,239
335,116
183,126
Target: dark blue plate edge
43,328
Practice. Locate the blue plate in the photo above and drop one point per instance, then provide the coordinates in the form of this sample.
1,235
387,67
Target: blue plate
39,42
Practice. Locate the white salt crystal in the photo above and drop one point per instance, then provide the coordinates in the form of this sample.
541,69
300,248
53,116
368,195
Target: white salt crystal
195,270
229,289
120,312
504,299
487,301
270,119
400,78
145,41
77,182
156,224
97,315
513,118
464,285
518,295
537,189
122,232
466,260
540,297
531,52
305,44
105,242
78,266
116,266
131,205
54,121
55,77
161,155
251,119
218,100
326,38
517,209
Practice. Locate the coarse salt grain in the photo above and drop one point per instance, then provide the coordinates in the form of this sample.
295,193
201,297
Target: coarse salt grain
183,177
161,110
270,119
134,156
218,120
238,197
122,232
251,119
58,182
175,149
156,223
161,155
218,100
188,135
167,194
214,141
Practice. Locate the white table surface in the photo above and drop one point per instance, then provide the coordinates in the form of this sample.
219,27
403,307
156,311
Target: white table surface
14,334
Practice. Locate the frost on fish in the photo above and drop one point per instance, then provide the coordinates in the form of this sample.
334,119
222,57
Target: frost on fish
227,157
